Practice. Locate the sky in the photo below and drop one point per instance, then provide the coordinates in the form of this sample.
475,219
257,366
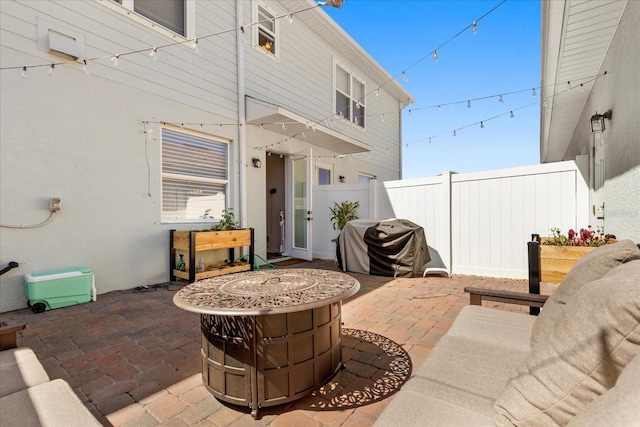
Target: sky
501,58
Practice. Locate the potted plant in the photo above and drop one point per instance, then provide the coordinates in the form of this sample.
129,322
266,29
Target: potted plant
340,215
194,244
560,252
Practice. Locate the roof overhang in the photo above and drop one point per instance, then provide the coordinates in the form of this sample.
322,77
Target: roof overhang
291,125
576,35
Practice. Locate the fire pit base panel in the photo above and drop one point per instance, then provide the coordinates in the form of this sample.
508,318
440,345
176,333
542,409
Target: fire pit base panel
268,360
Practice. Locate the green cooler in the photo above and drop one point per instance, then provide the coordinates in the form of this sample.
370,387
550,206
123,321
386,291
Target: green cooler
59,288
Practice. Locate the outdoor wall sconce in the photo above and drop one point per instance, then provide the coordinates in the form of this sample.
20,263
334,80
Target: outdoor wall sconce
597,121
256,162
341,178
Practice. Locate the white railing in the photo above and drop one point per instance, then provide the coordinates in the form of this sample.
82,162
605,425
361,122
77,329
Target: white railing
478,222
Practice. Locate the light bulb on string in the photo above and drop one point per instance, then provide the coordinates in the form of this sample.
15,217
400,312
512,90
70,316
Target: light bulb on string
569,85
469,103
511,114
481,125
23,74
409,113
500,99
377,91
355,120
194,46
429,140
84,66
533,91
581,87
220,126
544,102
358,105
474,28
405,77
283,126
382,117
243,36
290,18
454,132
435,55
439,107
154,54
114,60
52,70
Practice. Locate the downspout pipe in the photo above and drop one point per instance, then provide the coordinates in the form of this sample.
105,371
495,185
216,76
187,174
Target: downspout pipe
242,136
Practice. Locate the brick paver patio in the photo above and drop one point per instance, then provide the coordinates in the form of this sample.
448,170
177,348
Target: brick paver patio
133,357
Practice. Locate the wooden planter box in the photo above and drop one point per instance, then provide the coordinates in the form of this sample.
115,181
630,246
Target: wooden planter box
191,243
556,261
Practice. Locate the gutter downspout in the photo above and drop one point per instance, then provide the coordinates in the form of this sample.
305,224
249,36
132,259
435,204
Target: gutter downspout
242,137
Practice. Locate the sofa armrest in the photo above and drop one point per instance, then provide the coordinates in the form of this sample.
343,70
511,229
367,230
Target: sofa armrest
477,295
9,334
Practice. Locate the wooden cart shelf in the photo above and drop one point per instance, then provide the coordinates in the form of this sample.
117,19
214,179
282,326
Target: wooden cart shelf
191,243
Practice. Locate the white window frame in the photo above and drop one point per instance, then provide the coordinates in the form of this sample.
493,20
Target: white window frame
127,9
325,166
275,54
368,176
215,216
352,117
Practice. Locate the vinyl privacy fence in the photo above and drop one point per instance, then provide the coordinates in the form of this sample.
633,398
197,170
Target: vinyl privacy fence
480,223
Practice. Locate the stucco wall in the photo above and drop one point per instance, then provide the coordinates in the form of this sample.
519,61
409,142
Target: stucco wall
619,91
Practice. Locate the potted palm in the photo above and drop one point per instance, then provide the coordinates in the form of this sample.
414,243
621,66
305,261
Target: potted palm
340,215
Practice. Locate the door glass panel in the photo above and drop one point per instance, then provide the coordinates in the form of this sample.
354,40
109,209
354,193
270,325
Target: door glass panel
300,203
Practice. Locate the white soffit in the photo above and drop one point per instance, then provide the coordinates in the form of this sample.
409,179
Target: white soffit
271,117
576,35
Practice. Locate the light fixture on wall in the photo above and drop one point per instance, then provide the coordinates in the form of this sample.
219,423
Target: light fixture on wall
597,121
256,162
341,178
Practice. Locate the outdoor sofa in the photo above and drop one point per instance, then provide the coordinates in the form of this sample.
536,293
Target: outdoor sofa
28,397
576,364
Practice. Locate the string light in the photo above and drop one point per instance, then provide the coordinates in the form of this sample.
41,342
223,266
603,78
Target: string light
114,60
469,103
405,77
24,73
154,54
435,55
511,114
500,99
194,46
290,17
481,125
52,69
533,91
474,28
581,87
454,132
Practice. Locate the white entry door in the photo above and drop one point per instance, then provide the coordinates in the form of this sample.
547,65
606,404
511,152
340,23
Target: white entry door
302,207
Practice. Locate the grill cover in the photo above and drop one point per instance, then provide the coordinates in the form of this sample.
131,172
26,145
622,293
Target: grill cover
394,247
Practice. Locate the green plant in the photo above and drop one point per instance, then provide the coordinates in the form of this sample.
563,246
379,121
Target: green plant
343,213
585,237
227,222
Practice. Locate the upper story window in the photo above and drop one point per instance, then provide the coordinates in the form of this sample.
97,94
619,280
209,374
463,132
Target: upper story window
168,13
350,95
266,34
194,176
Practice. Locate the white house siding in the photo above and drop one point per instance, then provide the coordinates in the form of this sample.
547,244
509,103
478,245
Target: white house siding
80,137
301,81
619,91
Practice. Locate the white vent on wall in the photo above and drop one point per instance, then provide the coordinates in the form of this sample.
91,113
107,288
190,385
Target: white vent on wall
63,44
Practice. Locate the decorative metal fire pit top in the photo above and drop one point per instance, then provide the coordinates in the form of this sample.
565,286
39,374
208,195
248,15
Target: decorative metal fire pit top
266,292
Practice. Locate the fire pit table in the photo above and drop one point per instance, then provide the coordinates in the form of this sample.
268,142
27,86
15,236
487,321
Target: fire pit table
269,337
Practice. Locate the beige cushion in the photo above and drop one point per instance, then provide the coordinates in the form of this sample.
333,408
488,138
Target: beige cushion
50,404
592,266
619,406
594,338
20,369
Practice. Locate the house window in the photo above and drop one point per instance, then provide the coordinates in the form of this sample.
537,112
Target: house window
324,176
266,35
168,13
350,96
194,176
365,178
